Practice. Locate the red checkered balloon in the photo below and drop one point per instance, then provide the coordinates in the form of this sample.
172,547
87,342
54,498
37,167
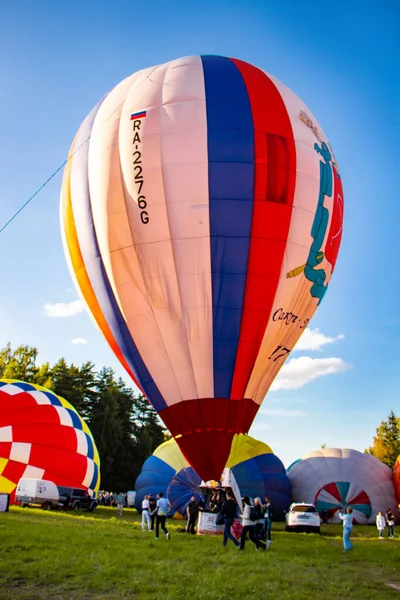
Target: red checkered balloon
42,436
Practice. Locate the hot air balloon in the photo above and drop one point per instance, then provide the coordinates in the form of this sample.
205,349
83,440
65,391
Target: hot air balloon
396,479
202,211
257,471
158,470
43,437
334,478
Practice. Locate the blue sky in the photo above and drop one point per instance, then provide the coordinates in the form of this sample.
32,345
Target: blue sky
59,58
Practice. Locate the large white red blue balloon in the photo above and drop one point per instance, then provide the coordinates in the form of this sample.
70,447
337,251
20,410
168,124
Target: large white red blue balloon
202,222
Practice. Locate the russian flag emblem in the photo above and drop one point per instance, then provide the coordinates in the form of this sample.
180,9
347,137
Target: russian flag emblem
138,115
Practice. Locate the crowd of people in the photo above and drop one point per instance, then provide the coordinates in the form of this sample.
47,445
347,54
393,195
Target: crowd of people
256,517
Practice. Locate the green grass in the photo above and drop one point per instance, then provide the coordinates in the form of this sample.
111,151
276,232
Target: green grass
60,556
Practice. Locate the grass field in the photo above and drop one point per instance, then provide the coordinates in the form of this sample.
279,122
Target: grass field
60,556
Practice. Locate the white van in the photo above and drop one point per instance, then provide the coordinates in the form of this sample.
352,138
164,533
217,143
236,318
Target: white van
302,517
37,491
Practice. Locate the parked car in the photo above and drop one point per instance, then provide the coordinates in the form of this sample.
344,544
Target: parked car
302,517
37,491
76,499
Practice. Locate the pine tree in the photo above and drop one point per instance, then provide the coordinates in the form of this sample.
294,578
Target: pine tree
386,446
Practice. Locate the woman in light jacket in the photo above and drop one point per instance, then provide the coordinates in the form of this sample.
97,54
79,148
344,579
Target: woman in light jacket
260,521
249,526
380,524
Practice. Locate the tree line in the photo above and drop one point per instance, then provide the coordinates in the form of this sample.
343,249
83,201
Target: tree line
124,425
386,443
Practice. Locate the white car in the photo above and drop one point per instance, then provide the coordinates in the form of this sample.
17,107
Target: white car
302,517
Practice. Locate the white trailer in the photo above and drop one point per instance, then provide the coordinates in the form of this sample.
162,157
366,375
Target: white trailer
37,491
130,498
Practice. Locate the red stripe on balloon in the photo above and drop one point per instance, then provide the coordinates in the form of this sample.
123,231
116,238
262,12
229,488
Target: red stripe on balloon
45,413
47,434
333,490
275,178
204,428
361,498
13,471
336,228
9,402
68,464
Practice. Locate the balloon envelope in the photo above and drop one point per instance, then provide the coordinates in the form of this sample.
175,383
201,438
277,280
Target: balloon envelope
334,477
258,472
202,212
43,437
396,479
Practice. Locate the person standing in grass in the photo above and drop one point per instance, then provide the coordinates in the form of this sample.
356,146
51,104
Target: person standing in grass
381,524
152,510
229,509
267,508
390,523
260,522
249,524
120,499
347,519
163,510
192,512
145,513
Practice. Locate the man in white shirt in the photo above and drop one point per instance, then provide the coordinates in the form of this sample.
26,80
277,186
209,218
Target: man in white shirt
163,510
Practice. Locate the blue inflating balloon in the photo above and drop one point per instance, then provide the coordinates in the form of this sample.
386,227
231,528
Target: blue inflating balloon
153,479
265,475
184,485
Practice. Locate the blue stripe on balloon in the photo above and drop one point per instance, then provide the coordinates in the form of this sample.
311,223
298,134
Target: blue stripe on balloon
343,487
93,483
26,387
362,508
230,137
322,505
95,269
90,450
53,398
76,422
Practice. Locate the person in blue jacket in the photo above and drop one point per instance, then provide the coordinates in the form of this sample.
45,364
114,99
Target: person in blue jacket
347,519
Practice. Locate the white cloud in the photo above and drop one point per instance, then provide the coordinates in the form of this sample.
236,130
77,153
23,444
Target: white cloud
63,309
314,339
79,342
295,400
282,412
300,371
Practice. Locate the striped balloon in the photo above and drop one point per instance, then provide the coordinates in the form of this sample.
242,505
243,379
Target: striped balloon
343,494
396,479
339,477
43,437
202,212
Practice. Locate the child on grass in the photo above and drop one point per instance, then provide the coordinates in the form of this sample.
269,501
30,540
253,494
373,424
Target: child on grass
381,524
